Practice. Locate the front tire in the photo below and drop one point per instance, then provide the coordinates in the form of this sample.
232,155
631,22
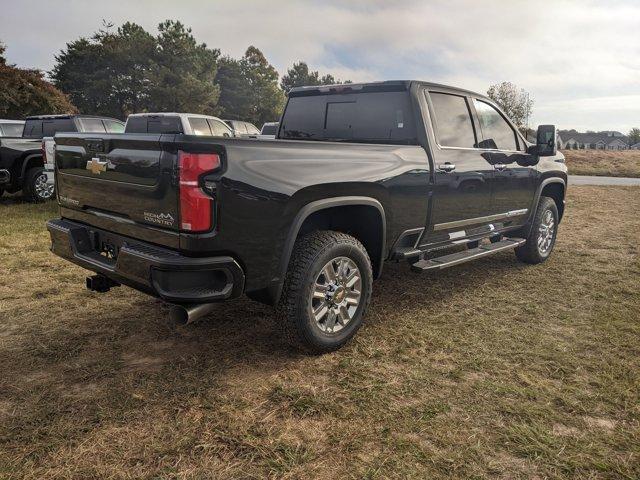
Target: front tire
326,291
35,186
543,233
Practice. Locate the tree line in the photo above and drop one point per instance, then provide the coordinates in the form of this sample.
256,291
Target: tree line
116,72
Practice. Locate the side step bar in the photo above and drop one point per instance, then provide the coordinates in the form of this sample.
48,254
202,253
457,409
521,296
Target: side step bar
446,261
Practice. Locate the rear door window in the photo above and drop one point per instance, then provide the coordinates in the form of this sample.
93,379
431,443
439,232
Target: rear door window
496,132
452,123
199,126
219,129
91,125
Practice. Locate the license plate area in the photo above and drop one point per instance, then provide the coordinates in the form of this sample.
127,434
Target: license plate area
106,246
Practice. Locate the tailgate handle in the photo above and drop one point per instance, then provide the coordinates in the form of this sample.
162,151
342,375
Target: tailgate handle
95,145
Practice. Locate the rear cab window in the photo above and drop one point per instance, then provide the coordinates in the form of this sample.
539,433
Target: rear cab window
51,127
378,114
153,124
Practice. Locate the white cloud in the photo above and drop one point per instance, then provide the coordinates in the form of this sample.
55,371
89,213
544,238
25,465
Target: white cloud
560,51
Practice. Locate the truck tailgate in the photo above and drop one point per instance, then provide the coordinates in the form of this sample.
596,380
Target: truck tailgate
127,179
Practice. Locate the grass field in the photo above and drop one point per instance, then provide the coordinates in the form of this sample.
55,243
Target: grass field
494,369
624,163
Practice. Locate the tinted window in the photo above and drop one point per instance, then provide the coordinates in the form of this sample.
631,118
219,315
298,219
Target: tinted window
271,129
219,129
153,125
453,124
12,129
496,132
164,125
199,126
50,127
136,125
113,126
33,129
91,125
371,117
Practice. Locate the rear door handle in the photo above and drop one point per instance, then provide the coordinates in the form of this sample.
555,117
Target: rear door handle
499,166
446,167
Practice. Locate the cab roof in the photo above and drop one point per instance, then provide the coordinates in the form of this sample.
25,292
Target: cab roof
382,86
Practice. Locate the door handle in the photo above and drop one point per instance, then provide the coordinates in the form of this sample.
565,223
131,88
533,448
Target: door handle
446,167
499,166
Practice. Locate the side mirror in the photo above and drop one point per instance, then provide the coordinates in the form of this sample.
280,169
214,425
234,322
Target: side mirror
547,143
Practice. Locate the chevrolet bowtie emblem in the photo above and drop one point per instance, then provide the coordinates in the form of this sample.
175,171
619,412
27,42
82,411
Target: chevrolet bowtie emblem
96,166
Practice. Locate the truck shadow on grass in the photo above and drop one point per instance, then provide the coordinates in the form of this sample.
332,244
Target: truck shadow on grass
7,200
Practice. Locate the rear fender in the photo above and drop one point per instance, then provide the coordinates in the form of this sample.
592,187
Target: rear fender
31,161
275,289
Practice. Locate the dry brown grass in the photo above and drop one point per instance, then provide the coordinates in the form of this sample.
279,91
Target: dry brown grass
624,163
494,369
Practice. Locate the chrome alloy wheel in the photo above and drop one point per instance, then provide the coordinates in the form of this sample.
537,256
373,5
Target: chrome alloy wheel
336,293
42,189
546,232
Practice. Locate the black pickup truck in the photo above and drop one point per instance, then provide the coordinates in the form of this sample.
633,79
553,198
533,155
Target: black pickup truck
358,174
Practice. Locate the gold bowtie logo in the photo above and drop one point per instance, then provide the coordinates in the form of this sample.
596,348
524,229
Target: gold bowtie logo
96,166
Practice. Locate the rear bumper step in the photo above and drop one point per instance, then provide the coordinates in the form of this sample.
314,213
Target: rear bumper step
457,258
158,271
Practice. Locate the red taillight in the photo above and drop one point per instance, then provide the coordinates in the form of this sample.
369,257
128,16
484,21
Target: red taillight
195,205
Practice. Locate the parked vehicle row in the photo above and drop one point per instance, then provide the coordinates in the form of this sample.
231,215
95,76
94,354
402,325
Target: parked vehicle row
356,174
178,123
26,162
27,148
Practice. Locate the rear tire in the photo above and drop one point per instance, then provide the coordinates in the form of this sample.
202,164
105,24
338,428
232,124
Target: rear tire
543,233
326,292
35,187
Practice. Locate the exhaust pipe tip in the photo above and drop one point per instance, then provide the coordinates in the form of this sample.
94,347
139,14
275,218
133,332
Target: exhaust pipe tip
179,315
185,314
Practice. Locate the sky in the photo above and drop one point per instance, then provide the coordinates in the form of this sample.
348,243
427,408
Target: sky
579,60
